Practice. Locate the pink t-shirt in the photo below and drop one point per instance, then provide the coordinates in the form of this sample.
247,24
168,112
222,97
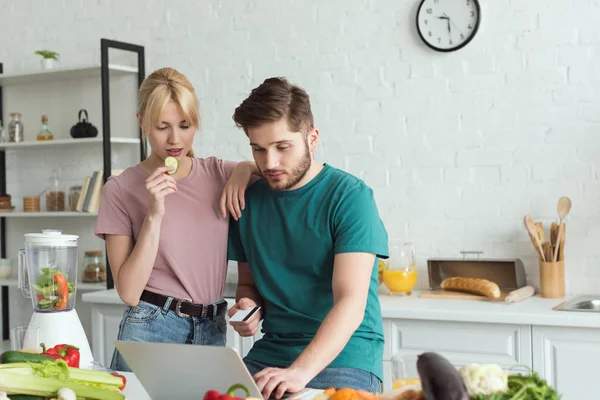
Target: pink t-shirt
192,253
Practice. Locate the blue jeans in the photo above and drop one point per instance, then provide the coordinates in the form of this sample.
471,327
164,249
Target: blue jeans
334,377
149,323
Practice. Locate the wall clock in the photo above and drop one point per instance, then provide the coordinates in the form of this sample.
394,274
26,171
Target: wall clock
448,25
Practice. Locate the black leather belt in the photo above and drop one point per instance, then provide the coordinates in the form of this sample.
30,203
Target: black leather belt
185,308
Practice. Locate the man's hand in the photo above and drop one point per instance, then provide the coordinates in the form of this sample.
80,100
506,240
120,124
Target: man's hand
278,381
246,328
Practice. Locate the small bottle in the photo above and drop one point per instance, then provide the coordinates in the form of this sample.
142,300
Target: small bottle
45,133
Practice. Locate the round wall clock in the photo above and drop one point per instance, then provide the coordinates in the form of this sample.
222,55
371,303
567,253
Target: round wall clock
448,25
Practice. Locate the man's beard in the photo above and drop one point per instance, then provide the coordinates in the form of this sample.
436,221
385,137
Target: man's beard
295,176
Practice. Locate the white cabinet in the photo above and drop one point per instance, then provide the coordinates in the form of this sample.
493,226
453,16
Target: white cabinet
105,330
460,342
566,358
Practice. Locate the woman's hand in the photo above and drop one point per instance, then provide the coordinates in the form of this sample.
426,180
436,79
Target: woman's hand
159,185
232,198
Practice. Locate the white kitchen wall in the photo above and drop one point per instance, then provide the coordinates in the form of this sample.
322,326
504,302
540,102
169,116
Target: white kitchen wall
458,147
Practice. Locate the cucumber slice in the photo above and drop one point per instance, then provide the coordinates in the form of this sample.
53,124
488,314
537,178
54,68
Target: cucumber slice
171,162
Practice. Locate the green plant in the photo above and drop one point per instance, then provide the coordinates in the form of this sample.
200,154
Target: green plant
48,54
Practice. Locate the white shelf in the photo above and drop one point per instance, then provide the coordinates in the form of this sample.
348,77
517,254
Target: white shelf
81,286
46,214
59,74
66,142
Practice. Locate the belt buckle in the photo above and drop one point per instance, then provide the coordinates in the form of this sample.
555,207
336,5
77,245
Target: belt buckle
204,313
178,308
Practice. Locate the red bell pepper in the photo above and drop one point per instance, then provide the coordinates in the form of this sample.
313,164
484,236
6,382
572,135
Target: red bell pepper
70,354
62,291
215,395
122,378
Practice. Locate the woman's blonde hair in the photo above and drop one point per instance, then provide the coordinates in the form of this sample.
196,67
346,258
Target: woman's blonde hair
160,87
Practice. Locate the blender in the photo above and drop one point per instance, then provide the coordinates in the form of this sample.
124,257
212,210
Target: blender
48,275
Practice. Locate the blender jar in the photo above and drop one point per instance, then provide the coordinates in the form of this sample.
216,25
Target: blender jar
49,261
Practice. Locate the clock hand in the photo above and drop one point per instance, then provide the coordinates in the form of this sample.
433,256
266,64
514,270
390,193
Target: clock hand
455,27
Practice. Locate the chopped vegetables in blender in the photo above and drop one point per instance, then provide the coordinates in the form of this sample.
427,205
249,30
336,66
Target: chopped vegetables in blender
53,290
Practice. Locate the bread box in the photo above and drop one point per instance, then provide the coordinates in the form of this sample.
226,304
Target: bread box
507,273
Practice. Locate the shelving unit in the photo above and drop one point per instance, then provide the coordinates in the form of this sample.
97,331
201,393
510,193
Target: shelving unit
81,286
62,74
66,142
46,214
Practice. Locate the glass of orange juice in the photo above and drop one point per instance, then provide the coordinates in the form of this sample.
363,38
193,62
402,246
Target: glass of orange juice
400,377
400,275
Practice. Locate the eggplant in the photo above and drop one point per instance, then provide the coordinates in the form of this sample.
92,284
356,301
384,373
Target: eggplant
439,379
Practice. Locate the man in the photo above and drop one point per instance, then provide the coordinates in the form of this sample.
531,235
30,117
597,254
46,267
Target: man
306,246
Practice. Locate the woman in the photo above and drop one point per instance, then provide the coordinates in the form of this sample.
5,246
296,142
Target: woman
165,233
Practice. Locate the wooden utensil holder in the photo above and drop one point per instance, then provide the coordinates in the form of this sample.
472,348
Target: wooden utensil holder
552,279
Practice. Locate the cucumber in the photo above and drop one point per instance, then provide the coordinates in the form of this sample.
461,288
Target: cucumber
26,397
45,303
171,162
11,357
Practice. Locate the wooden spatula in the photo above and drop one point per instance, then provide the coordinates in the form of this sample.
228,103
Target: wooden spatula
563,208
531,228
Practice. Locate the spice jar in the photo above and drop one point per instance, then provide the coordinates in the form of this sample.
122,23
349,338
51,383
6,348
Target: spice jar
15,128
93,267
55,196
74,193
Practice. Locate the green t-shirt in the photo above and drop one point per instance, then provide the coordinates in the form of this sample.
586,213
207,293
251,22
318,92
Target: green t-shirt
289,239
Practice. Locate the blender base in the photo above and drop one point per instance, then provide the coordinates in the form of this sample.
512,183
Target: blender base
62,327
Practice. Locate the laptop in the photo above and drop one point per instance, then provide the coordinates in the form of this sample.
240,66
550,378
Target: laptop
184,371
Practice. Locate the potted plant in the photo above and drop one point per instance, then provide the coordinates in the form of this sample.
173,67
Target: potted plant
49,57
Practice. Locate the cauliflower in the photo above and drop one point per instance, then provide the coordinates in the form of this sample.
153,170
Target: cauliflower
3,396
483,379
66,394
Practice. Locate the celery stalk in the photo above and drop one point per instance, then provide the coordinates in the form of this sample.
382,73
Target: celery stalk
18,383
95,377
54,369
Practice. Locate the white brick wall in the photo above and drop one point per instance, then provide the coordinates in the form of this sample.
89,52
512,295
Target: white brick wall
457,146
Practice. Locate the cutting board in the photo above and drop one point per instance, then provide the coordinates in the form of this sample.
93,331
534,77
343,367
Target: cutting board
451,295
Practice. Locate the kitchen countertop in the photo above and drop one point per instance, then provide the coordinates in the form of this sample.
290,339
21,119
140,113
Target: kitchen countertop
532,311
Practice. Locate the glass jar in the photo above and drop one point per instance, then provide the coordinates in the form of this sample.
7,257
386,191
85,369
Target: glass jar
55,196
16,129
93,267
74,193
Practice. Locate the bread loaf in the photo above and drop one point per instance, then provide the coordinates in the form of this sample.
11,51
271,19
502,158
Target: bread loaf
478,286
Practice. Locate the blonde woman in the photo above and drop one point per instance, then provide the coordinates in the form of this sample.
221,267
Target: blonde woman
166,228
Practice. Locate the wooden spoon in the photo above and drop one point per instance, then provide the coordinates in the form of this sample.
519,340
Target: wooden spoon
532,229
563,208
